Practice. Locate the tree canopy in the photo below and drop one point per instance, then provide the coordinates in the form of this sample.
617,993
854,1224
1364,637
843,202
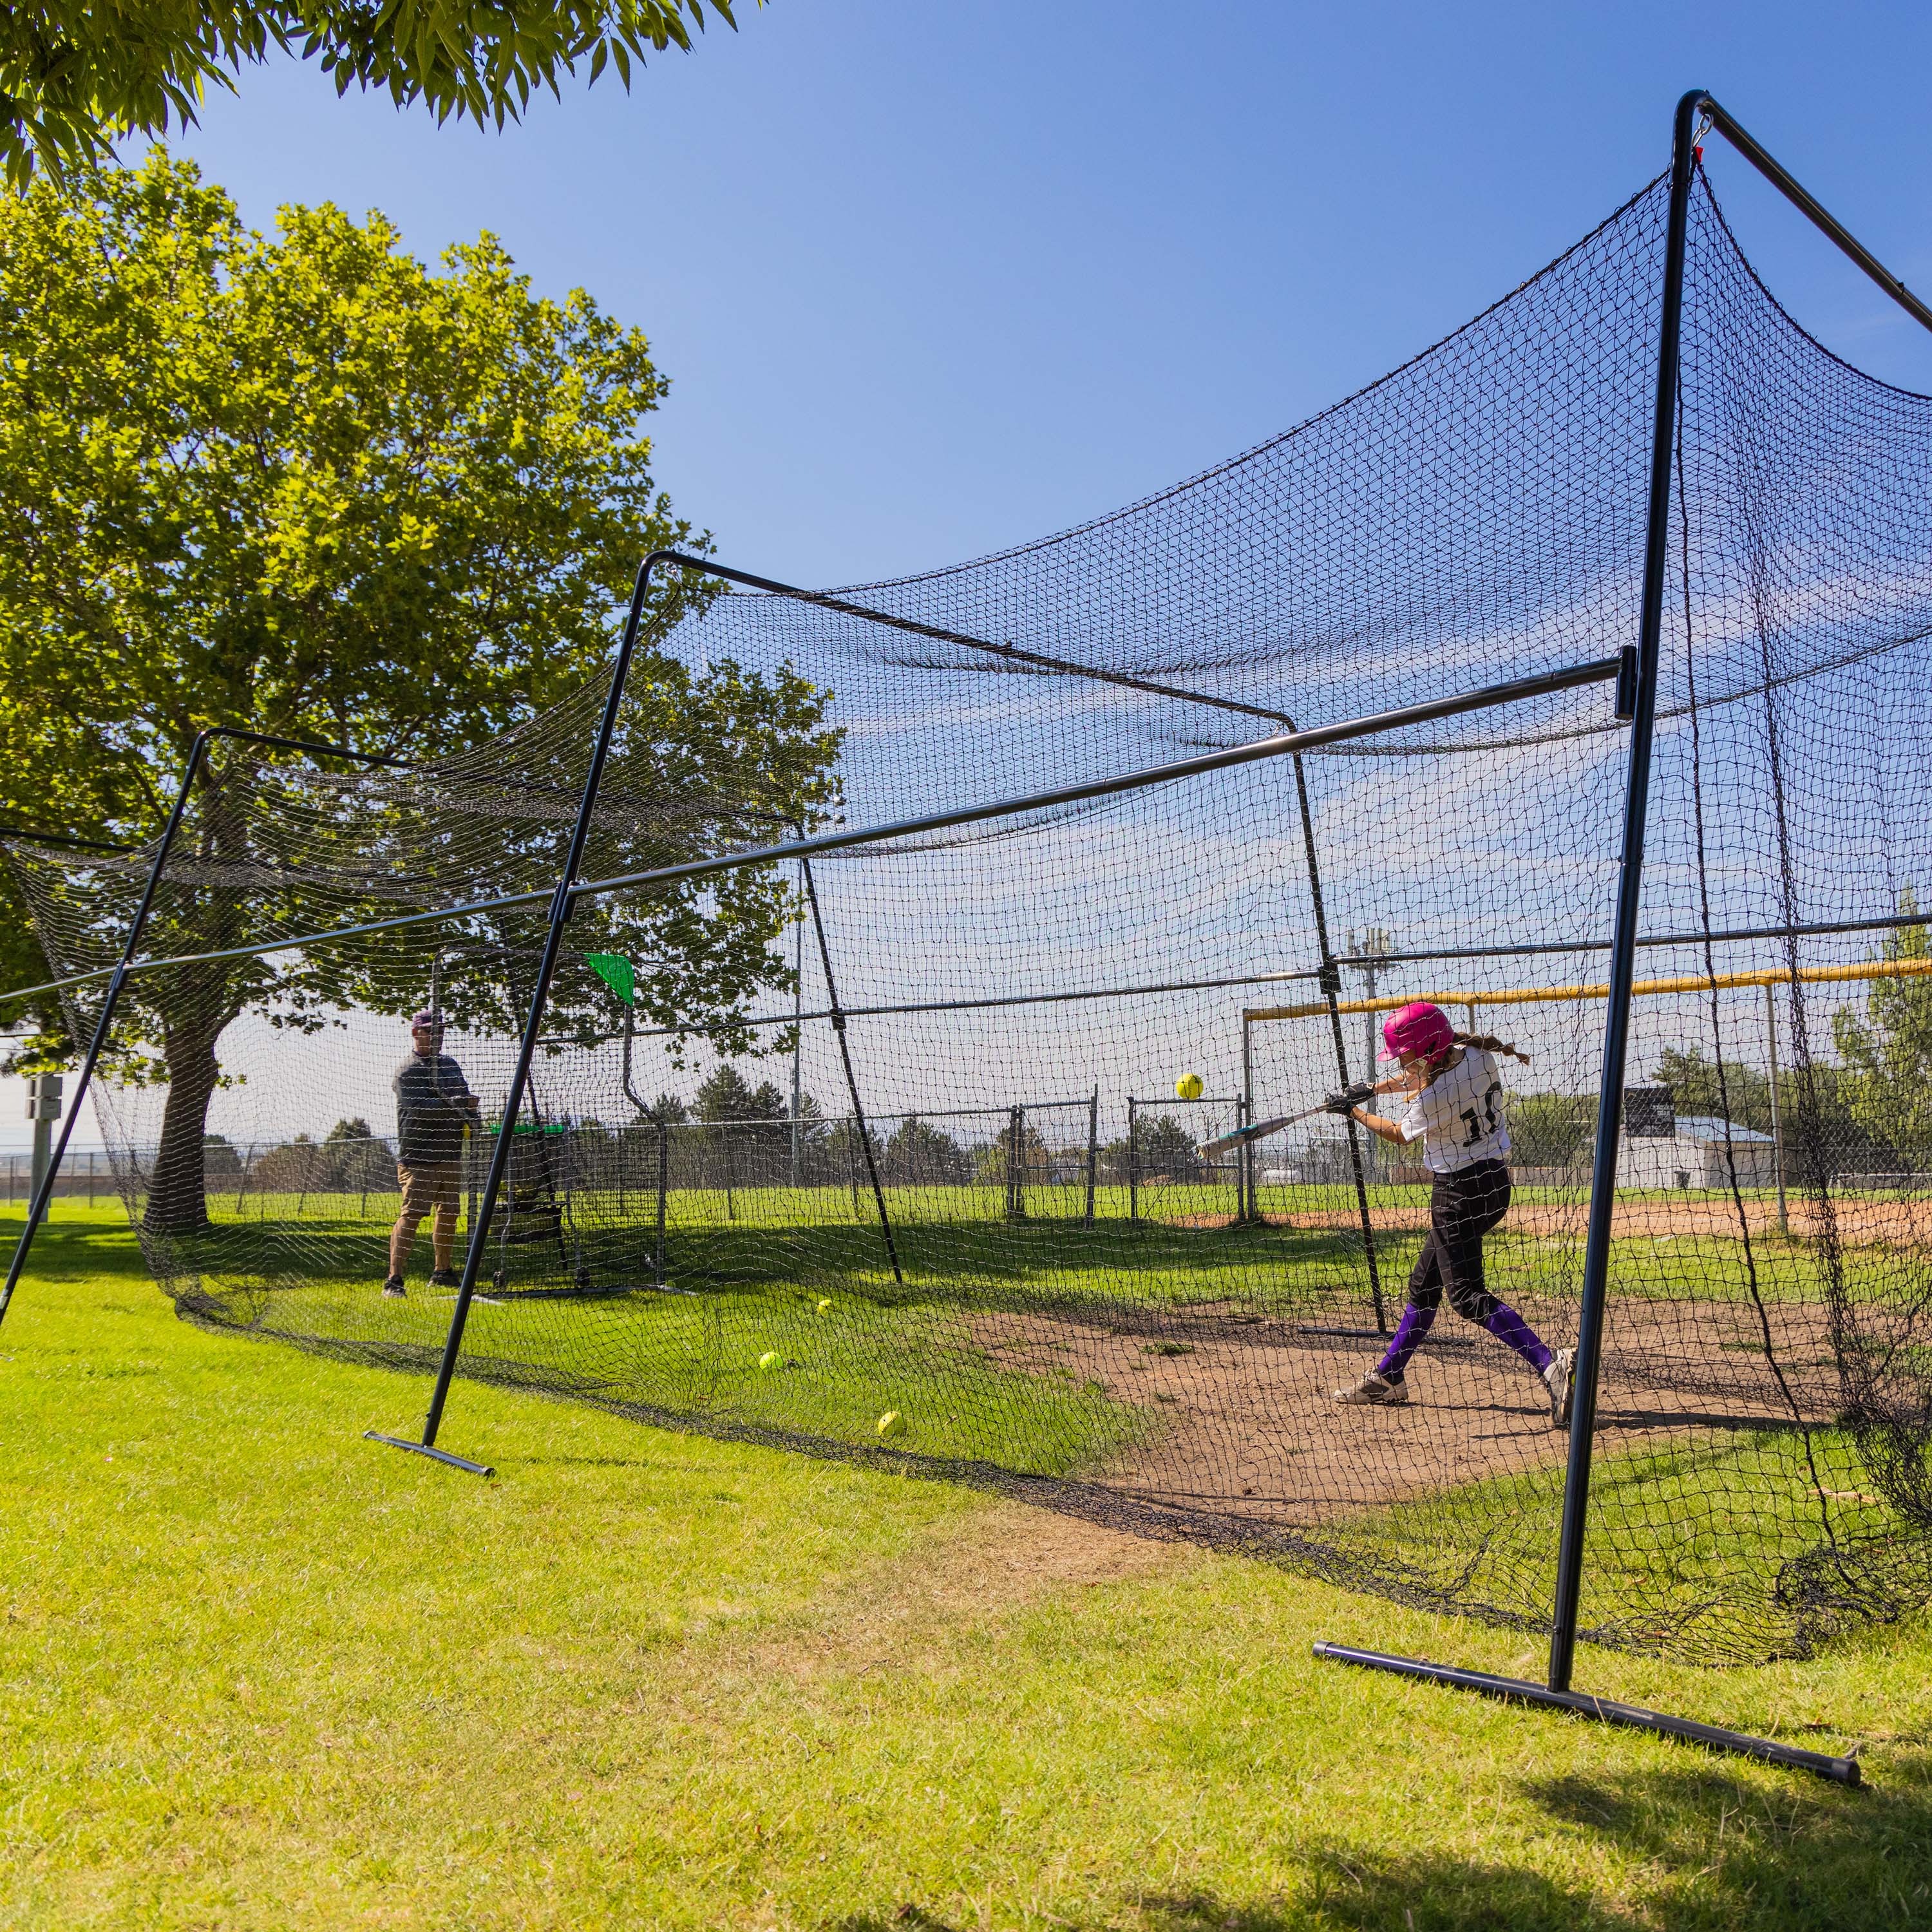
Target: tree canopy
1887,1054
76,74
306,485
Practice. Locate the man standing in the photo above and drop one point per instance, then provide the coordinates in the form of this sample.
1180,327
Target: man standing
433,1103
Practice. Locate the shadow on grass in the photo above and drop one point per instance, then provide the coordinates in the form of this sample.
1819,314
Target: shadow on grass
1703,1849
945,1261
71,1250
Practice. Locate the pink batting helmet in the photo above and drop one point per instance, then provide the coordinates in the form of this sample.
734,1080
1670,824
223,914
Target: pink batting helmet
1417,1028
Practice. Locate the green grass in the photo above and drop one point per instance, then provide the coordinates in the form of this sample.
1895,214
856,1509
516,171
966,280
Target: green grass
260,1673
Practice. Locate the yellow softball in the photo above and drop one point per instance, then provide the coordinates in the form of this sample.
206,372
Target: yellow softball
1189,1087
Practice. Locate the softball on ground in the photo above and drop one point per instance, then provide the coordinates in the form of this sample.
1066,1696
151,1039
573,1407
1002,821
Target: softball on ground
771,1359
1189,1087
891,1424
825,1304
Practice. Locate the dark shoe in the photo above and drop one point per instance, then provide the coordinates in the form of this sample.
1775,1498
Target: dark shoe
446,1278
393,1286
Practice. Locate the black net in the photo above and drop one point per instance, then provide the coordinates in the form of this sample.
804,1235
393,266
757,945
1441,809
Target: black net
890,1157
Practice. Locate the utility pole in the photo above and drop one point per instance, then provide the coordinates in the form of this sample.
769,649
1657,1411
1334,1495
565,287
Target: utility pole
1368,949
43,1109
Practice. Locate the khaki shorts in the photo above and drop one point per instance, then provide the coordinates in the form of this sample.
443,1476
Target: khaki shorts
430,1184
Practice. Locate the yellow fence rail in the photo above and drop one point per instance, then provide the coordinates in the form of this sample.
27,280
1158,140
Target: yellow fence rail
1530,996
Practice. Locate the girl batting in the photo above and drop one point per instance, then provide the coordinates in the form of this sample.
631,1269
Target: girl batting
1456,1111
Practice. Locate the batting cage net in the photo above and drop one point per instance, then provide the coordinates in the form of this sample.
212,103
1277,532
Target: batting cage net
877,1151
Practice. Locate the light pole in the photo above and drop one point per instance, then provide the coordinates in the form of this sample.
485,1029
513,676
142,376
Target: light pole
1368,949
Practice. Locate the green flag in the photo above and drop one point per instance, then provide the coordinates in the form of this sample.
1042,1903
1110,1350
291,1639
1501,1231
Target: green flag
616,972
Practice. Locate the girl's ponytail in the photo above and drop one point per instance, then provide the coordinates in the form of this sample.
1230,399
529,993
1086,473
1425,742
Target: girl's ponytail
1488,1043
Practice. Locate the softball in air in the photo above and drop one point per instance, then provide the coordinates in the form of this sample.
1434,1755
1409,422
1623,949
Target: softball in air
771,1359
1189,1087
891,1424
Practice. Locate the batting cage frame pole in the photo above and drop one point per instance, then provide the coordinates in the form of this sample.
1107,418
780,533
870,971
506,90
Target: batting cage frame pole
1684,157
1331,983
851,1078
561,906
197,757
1589,1361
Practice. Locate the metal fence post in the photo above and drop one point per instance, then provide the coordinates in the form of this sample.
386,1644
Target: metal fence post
1093,1152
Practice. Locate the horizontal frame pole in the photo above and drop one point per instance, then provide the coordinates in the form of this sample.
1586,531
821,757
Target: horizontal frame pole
1735,936
1827,223
827,600
1003,1000
1731,935
430,1450
1691,982
1605,1710
1600,670
1282,744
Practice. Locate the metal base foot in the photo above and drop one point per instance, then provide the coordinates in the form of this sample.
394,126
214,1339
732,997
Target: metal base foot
1840,1770
434,1455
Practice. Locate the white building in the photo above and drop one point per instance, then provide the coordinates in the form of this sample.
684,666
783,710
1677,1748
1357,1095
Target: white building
1694,1155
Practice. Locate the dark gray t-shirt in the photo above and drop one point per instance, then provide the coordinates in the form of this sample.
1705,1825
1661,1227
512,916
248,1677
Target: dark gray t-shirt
431,1094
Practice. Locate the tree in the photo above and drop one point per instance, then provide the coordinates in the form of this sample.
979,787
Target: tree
76,74
1163,1149
219,1160
1552,1130
727,1095
1723,1090
919,1153
305,486
1888,1054
990,1162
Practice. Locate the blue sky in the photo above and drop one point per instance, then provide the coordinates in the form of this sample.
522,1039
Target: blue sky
932,280
929,280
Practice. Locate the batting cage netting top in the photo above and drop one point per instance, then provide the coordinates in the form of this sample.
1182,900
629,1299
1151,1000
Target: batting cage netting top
884,1155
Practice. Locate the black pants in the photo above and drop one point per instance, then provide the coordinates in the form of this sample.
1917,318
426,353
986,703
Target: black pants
1463,1207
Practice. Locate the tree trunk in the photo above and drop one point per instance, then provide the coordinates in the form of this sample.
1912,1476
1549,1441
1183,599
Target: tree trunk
177,1194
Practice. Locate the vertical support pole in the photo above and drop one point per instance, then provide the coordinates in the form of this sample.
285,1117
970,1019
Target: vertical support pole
1093,1152
559,914
851,1078
664,1188
1777,1106
1250,1208
1241,1118
1133,1164
797,1047
1331,988
1016,1164
37,1208
1623,941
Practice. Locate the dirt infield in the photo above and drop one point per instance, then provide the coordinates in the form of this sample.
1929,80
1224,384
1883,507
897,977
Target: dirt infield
1860,1223
1252,1426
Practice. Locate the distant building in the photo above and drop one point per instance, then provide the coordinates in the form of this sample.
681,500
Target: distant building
1699,1151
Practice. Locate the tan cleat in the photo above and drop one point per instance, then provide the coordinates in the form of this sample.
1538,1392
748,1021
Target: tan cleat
1373,1389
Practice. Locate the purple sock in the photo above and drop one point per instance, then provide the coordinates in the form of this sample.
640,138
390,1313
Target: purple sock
1415,1323
1507,1325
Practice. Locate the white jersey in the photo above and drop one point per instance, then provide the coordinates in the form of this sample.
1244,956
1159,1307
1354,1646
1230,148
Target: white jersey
1459,1116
